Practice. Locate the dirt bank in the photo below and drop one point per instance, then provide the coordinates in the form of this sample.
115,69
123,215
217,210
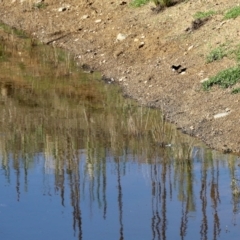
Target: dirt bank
139,49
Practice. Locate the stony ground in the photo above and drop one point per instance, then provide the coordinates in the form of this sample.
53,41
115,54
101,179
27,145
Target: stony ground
137,48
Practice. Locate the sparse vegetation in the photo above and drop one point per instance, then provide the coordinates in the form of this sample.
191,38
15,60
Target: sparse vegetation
216,54
40,5
237,53
232,13
202,15
158,3
139,3
225,78
235,91
163,3
12,30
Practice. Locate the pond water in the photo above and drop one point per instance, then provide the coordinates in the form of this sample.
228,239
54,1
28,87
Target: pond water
78,161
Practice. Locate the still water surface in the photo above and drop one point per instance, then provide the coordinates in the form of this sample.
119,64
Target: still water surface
78,161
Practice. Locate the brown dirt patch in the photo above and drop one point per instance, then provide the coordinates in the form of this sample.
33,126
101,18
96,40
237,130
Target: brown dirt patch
141,63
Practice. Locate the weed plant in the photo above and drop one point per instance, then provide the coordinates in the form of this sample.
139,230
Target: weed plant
202,15
235,91
161,3
167,3
232,13
225,78
237,53
139,3
216,54
40,5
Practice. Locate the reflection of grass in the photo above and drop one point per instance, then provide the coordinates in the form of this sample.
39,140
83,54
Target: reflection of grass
12,30
232,13
4,55
57,72
235,187
49,82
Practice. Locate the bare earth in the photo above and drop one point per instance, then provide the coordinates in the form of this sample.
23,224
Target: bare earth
137,47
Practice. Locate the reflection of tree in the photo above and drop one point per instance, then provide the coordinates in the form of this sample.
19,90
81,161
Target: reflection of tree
214,193
183,180
17,170
159,201
203,197
188,204
74,181
211,168
120,200
74,184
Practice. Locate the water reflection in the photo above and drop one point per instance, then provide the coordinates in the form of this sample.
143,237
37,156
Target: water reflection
80,162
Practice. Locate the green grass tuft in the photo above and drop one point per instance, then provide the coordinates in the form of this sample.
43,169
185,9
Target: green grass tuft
235,91
162,3
225,78
232,13
237,53
139,3
216,54
202,15
40,5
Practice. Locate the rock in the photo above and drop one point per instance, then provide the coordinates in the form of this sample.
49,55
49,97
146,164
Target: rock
107,79
123,3
85,17
121,37
62,9
141,44
98,21
122,79
219,115
191,47
117,53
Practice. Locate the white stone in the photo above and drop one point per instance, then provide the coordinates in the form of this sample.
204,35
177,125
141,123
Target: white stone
62,9
141,44
121,37
85,17
223,114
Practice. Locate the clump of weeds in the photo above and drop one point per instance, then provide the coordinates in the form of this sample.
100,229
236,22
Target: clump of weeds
203,15
40,5
216,54
232,13
139,3
225,78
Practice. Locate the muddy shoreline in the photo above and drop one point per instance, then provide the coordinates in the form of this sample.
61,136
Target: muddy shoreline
136,49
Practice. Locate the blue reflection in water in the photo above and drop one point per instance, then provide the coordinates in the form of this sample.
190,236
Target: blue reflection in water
128,200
